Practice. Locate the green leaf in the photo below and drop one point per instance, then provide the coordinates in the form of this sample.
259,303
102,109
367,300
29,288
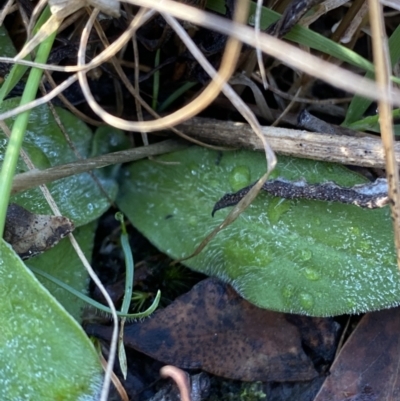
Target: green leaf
298,256
63,263
79,197
44,354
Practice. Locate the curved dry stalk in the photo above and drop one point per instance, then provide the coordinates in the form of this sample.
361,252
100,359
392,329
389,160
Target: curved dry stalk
69,105
34,17
226,69
8,8
114,378
114,338
285,52
139,100
181,379
246,113
42,100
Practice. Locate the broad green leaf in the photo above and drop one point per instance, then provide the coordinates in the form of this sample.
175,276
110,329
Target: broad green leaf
63,263
79,197
298,256
44,354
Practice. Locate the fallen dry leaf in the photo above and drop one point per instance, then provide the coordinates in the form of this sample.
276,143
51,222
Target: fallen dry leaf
367,368
31,234
214,329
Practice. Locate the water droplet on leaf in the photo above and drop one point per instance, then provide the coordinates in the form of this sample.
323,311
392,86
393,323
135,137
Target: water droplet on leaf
276,208
239,177
306,300
305,255
311,274
288,291
192,221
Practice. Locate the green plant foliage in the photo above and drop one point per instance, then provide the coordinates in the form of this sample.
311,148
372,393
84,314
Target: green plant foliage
44,354
6,45
359,105
79,197
301,35
62,262
298,256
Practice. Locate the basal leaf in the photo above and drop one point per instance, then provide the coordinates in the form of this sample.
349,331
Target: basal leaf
79,197
63,263
298,256
44,354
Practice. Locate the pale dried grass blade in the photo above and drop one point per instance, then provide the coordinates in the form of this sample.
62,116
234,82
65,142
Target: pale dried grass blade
285,52
259,54
48,28
382,65
113,346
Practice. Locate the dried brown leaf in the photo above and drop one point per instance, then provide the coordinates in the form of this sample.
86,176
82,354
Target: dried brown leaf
31,234
213,329
367,368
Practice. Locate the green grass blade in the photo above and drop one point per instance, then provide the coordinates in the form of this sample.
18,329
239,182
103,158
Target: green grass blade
18,130
18,70
359,105
304,36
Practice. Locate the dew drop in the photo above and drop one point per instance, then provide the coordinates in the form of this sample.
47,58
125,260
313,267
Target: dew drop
306,300
252,20
351,304
389,260
288,291
305,255
239,177
311,240
277,208
311,274
355,231
192,221
193,168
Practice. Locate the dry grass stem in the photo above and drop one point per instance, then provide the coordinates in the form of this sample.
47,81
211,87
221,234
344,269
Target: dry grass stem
181,379
33,178
285,52
382,65
8,8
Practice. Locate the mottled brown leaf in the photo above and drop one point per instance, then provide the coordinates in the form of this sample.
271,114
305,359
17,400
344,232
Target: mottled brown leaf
31,234
367,368
213,329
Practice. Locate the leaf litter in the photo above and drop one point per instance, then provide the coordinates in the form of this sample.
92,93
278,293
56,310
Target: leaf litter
214,329
32,234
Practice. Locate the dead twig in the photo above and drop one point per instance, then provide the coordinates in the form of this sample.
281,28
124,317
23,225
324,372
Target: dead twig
357,151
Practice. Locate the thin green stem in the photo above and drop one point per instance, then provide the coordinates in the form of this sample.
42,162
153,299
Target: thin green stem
94,303
128,264
156,81
18,130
